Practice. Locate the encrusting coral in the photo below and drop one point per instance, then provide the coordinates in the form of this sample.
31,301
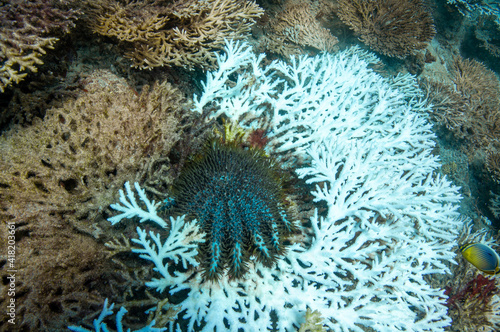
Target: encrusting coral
395,28
384,218
27,30
183,33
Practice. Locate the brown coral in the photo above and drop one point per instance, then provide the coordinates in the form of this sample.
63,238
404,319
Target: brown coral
469,105
27,30
184,33
473,308
487,31
394,28
82,150
297,26
493,165
57,179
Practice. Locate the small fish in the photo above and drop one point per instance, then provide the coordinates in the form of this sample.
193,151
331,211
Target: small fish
482,257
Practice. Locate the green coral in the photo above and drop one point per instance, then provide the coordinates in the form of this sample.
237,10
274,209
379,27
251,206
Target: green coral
313,323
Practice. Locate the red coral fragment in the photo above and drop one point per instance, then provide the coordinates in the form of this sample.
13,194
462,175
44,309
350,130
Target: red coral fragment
257,138
478,288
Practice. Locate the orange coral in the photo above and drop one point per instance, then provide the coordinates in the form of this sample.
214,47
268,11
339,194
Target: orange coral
394,28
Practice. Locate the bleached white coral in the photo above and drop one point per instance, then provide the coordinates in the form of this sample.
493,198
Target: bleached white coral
366,147
99,324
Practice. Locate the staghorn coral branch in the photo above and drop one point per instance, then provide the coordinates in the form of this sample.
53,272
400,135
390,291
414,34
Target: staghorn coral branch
131,209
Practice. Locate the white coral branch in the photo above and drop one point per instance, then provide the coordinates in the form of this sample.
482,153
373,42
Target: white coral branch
131,209
180,246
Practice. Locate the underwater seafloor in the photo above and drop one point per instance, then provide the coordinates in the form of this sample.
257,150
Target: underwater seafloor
97,94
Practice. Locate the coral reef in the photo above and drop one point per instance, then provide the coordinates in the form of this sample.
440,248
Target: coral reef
494,204
313,322
493,165
296,26
478,7
471,305
108,311
54,185
79,150
27,30
467,102
236,197
487,31
473,299
58,274
183,33
388,220
391,27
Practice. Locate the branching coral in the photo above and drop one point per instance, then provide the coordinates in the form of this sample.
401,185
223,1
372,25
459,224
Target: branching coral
54,179
313,322
488,33
388,218
108,311
478,7
471,306
493,165
297,26
84,147
391,27
469,104
495,204
27,30
184,33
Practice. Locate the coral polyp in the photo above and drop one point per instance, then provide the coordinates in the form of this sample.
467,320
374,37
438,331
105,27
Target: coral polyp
236,195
